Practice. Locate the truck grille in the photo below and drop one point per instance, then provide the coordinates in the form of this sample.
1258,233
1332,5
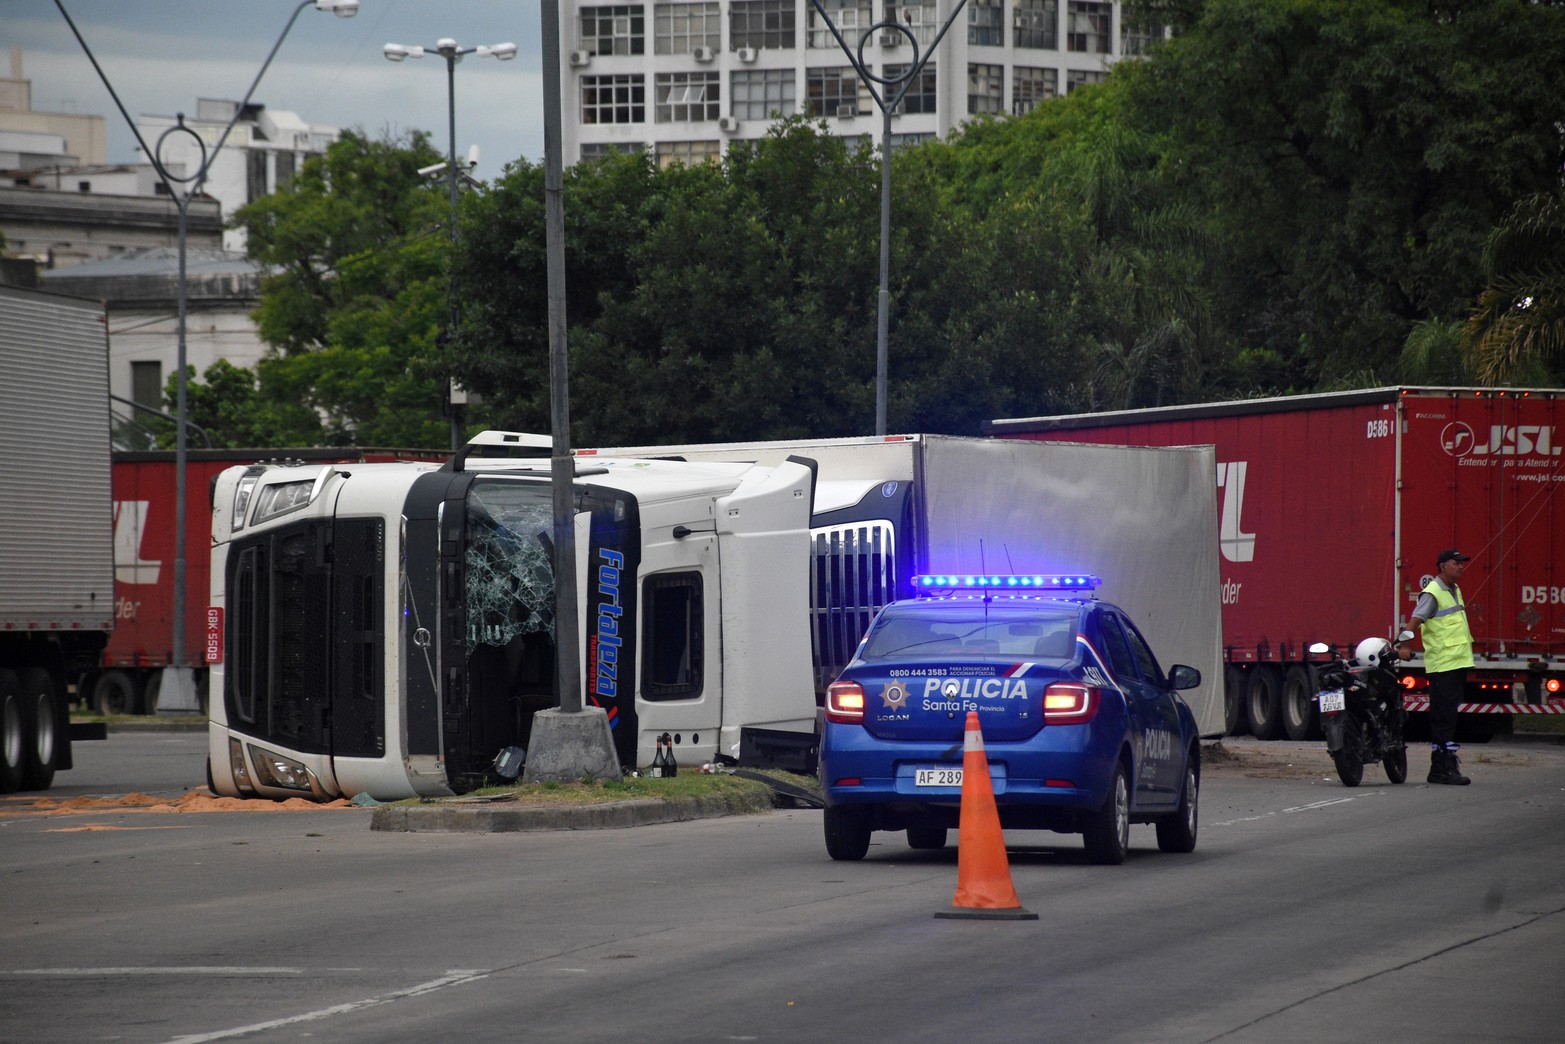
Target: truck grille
852,577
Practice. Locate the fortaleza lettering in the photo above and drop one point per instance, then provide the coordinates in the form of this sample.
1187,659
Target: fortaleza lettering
610,613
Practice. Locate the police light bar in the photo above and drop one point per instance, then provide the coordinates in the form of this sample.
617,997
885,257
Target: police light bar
955,583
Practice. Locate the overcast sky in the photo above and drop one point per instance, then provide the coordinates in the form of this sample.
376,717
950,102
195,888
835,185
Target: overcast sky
161,55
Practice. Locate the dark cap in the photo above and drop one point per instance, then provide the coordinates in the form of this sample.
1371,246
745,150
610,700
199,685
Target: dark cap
1452,555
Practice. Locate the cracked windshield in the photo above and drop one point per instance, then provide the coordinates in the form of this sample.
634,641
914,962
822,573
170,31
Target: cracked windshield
510,575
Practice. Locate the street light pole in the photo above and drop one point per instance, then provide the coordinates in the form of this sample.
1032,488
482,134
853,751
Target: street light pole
177,694
447,48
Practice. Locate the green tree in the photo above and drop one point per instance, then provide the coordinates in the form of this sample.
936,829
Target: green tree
358,253
1518,327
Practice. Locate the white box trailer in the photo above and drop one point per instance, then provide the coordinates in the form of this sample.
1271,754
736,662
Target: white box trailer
889,508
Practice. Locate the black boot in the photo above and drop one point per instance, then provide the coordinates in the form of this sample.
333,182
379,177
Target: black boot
1444,769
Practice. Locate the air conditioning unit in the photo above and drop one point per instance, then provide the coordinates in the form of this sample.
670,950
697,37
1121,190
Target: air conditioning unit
728,124
891,39
580,58
746,54
704,54
845,112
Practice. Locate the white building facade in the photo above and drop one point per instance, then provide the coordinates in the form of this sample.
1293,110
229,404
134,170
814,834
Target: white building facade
685,78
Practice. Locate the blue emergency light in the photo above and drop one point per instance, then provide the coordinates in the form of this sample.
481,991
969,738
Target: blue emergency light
969,583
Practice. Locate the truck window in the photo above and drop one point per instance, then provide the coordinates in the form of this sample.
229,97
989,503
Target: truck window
672,652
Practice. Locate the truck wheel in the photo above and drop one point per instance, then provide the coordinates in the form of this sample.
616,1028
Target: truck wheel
115,694
1300,713
13,732
847,833
42,721
1107,834
1233,701
1263,702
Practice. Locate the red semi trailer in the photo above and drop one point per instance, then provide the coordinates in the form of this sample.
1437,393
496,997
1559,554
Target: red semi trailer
1332,508
141,644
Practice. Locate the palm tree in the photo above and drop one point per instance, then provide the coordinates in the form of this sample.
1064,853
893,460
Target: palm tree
1519,323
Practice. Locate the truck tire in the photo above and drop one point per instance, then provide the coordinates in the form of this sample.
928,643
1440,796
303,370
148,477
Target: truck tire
42,721
1300,712
1233,701
1263,702
13,732
114,694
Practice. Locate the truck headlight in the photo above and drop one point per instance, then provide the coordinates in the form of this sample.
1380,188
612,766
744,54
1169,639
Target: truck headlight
236,765
274,770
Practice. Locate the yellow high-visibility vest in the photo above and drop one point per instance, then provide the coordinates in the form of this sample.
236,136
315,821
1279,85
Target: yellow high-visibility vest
1448,644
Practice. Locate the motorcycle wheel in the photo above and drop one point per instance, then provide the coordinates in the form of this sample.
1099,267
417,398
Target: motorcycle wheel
1350,766
1396,766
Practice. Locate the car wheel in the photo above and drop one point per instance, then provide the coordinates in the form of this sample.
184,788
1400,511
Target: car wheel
13,732
930,837
42,724
1233,701
1177,832
847,832
1263,702
1300,713
1107,836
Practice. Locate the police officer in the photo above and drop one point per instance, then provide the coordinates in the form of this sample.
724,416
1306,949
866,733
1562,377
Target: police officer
1448,655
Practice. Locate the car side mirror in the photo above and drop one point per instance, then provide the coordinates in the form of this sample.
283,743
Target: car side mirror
1182,677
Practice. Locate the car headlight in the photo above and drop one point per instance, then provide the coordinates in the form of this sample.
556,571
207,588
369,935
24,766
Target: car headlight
274,770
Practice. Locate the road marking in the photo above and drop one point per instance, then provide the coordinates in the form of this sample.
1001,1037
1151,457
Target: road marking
198,970
1312,807
453,978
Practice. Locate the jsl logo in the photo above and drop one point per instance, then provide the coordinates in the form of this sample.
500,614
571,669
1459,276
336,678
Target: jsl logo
1459,440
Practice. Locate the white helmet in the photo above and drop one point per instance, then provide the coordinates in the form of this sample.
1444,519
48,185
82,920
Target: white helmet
1372,652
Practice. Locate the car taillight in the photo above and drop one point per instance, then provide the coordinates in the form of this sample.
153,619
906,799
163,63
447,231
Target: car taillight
1067,703
845,703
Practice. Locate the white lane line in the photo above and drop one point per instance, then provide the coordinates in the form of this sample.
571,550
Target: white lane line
1314,806
198,970
453,978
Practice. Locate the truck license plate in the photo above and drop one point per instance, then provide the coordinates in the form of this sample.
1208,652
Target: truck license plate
938,777
1333,700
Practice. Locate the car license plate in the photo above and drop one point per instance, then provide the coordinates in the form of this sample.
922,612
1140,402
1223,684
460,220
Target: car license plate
1333,700
937,777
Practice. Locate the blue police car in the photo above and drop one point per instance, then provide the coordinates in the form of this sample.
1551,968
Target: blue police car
1083,730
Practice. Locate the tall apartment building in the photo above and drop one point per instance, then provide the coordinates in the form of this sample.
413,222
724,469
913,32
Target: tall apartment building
684,78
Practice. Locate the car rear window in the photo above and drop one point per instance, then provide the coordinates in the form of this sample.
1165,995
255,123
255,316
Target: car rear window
973,633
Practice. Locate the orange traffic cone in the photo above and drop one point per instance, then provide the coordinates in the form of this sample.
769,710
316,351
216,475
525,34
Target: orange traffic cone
983,876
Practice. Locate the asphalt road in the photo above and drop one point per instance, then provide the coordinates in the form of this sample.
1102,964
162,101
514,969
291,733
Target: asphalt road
1309,912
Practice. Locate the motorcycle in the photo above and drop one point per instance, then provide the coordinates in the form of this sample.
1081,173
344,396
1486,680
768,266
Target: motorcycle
1361,709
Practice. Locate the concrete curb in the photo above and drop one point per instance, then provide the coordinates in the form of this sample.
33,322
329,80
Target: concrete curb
496,817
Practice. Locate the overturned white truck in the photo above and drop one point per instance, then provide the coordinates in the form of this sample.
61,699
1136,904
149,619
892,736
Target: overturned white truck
387,629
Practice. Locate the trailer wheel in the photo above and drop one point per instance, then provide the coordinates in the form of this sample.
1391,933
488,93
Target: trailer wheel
1300,713
13,732
42,723
1233,701
1263,702
114,694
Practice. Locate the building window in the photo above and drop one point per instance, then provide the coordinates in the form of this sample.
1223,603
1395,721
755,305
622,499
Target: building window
919,16
900,141
688,97
687,152
985,88
672,636
1135,38
920,95
285,169
1087,26
146,384
84,186
1031,86
592,150
614,99
761,24
255,175
1081,77
764,93
1038,24
852,18
986,22
835,92
614,30
681,28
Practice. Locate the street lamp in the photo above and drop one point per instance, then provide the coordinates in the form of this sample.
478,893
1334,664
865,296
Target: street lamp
178,693
447,48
